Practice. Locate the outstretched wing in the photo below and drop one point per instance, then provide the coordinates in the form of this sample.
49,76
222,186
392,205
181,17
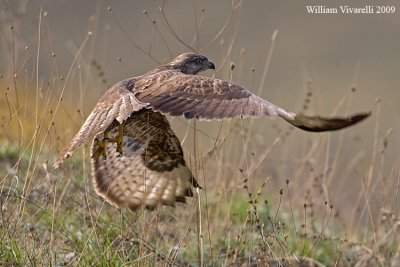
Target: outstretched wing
200,97
117,103
152,169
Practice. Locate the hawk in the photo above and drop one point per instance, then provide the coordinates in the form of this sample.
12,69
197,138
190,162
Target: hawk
136,158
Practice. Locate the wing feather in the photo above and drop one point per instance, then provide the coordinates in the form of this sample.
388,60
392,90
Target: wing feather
117,103
173,90
320,124
194,96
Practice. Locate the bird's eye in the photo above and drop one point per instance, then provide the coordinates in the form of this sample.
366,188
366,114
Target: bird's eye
199,60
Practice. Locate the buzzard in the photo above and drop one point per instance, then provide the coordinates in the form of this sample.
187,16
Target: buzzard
136,158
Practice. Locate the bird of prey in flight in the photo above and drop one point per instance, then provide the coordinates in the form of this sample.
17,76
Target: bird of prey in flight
136,158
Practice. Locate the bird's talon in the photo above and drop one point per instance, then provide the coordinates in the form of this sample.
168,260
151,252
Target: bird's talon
117,139
101,149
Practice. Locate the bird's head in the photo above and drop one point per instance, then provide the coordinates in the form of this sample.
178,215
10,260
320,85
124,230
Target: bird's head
191,63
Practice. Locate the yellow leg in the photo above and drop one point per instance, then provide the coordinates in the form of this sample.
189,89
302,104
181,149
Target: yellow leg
118,139
101,146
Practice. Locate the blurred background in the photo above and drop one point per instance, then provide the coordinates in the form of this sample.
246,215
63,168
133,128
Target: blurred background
58,57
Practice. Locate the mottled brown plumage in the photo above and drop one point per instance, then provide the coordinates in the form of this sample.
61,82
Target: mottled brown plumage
152,169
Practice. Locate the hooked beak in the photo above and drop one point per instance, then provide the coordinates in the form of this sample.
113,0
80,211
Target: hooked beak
211,65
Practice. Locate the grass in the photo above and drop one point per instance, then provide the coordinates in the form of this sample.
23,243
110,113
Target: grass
295,197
